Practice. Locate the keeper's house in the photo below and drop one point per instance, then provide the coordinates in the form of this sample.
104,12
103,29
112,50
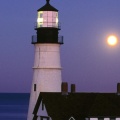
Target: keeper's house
66,105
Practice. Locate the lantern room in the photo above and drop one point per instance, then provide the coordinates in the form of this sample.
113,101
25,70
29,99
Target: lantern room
47,16
47,19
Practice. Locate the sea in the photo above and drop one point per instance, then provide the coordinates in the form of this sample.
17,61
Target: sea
14,106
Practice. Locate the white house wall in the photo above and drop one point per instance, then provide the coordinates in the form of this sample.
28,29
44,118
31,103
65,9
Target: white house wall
42,112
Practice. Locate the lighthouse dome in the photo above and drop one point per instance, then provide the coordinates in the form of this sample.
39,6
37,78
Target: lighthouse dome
47,7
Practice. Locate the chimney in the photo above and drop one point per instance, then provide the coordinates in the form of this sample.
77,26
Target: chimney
118,88
73,88
64,88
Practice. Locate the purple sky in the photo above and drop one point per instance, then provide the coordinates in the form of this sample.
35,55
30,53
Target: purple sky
86,59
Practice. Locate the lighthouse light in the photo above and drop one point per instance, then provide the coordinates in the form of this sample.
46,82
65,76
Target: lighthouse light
39,20
56,20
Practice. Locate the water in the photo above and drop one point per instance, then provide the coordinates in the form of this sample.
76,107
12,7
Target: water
14,106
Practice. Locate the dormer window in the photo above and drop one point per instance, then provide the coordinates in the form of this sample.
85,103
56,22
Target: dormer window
72,118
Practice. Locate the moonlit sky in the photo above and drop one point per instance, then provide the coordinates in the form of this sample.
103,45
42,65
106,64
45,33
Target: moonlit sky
86,58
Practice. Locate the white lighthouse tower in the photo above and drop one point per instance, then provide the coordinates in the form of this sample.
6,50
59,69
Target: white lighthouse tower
47,66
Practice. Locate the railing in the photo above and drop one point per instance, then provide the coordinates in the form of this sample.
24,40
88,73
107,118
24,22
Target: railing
34,39
47,24
60,39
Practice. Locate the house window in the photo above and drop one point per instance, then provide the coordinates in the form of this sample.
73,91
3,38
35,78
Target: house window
34,87
93,118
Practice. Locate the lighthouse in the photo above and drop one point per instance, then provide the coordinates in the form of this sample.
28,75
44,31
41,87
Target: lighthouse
47,65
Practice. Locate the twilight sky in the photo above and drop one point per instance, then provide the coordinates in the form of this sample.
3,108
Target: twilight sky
86,59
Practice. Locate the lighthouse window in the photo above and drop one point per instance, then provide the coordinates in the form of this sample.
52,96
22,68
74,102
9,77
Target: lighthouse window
34,87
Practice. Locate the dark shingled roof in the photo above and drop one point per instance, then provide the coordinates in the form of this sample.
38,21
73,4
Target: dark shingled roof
47,7
80,105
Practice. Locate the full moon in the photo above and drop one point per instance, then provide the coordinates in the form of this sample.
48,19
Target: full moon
112,40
